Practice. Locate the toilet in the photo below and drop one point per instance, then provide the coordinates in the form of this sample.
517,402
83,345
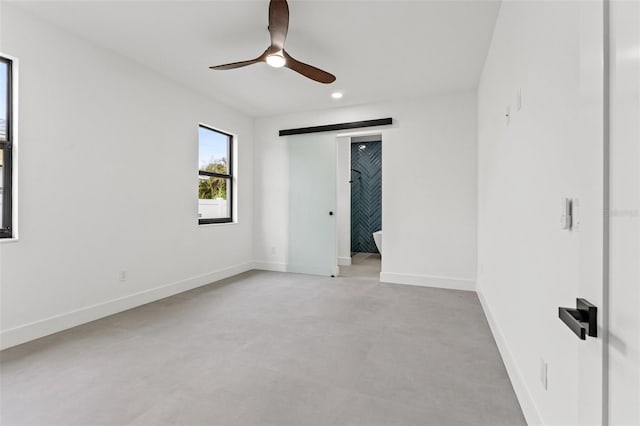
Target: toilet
377,237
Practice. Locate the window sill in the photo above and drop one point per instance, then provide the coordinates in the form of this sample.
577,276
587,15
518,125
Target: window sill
217,224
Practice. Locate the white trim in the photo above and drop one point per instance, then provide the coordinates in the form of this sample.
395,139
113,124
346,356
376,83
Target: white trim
204,225
15,80
428,281
377,131
527,403
34,330
344,261
270,266
15,159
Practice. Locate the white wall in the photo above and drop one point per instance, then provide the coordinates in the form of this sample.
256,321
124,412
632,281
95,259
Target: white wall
108,182
343,202
428,187
551,148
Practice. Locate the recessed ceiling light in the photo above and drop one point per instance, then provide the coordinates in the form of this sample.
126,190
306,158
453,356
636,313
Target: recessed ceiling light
336,95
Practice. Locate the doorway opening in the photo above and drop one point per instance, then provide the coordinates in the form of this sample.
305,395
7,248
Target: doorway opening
365,206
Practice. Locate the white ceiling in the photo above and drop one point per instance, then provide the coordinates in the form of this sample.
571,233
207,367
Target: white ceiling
378,50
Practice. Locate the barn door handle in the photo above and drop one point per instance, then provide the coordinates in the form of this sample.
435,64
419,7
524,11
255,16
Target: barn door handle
583,320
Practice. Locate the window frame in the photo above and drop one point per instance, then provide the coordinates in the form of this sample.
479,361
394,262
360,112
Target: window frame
230,176
7,230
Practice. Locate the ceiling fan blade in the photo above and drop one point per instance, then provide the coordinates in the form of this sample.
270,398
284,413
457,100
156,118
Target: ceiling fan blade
307,70
241,64
278,23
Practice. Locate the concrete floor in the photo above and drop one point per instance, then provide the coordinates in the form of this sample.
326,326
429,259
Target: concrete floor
363,265
267,348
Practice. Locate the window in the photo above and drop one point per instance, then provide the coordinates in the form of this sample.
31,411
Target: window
6,147
215,170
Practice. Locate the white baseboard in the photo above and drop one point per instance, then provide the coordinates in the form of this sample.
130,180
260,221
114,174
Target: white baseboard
344,261
34,330
527,403
270,266
428,281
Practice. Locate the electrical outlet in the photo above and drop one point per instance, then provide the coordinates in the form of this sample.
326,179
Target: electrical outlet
122,275
543,373
273,250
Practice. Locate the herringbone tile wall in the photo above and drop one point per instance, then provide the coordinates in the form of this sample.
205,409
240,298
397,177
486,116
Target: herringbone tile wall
366,195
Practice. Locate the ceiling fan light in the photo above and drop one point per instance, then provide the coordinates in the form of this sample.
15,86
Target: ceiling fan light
275,60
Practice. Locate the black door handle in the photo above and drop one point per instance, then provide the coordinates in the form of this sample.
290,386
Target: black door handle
330,213
583,320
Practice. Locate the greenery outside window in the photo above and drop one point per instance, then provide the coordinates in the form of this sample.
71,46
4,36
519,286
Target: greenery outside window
215,172
6,147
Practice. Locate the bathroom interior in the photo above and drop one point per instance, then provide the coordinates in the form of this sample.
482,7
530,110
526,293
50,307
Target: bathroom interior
365,201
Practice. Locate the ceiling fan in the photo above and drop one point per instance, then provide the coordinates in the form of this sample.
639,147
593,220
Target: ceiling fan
275,55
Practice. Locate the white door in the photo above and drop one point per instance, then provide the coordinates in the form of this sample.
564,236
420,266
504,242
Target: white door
624,217
312,204
589,208
609,365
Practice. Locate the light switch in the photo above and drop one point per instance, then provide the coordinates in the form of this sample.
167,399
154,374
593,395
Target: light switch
575,214
518,105
565,216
